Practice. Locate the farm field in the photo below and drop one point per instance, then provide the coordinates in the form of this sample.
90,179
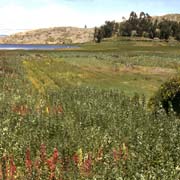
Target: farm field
132,67
83,114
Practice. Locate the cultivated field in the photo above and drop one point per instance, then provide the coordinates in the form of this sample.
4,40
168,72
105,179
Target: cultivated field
82,114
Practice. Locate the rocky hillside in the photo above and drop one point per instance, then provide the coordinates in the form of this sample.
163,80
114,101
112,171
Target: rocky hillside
57,35
171,17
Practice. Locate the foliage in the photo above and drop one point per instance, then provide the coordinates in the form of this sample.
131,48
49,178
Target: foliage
168,96
108,30
165,29
98,35
79,132
142,26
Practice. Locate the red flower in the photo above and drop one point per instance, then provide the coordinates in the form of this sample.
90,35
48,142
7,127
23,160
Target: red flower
20,109
76,159
28,161
37,164
43,152
120,152
12,169
87,164
115,155
58,109
55,155
51,162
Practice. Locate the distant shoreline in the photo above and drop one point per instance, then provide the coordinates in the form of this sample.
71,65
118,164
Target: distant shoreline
35,47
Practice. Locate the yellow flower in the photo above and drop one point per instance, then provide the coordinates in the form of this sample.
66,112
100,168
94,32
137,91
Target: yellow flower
80,156
47,110
124,148
178,168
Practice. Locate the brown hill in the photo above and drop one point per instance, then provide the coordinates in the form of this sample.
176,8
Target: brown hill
56,35
171,17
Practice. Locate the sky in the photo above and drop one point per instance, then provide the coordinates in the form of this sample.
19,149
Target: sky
23,15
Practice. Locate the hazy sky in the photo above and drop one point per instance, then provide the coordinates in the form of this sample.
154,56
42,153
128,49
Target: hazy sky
18,15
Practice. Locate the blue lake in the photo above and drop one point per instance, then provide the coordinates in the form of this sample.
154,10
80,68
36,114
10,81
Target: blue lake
34,47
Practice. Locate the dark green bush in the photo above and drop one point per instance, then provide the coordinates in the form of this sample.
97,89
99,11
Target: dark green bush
168,96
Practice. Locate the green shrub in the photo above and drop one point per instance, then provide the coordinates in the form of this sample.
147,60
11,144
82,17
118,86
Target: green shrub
168,96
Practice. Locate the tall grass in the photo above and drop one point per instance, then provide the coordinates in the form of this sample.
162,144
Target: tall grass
82,133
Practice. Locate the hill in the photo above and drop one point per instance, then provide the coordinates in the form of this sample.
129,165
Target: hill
63,35
171,17
56,35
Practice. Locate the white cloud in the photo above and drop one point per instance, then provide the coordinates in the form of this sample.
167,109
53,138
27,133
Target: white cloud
14,18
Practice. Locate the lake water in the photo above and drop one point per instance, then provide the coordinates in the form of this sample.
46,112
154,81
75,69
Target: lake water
33,47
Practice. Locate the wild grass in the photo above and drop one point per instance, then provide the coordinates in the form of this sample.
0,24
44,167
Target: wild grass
64,115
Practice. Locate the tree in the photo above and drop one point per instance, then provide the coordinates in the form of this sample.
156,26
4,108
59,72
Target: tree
98,35
125,29
177,34
167,96
154,30
142,25
165,29
133,20
130,25
142,15
110,28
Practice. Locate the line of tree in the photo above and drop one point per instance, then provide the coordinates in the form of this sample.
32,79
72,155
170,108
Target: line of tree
142,26
106,31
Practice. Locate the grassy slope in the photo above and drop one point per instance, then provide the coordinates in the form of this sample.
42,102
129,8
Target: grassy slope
57,35
91,120
124,65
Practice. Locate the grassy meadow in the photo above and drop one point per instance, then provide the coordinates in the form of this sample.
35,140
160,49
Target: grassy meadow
132,67
82,113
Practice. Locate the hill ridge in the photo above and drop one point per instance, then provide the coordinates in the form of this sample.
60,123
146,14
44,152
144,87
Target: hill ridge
52,35
171,17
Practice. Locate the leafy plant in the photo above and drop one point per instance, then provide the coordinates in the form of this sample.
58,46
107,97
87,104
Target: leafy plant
168,96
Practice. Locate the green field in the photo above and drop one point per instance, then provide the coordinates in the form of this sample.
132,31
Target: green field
82,113
126,66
